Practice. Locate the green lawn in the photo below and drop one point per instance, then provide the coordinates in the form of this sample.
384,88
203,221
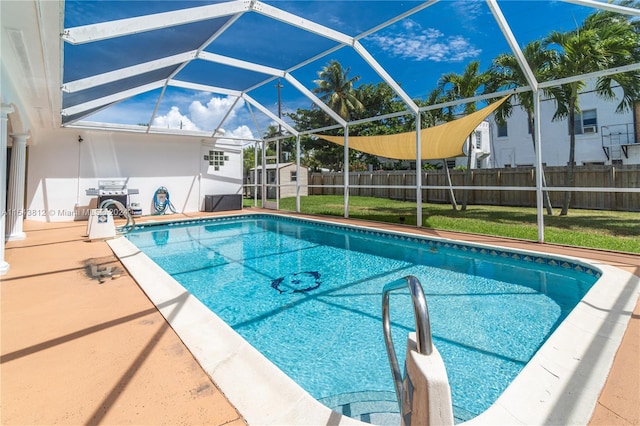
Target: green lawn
619,231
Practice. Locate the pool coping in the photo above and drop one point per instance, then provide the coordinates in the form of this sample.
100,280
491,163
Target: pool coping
560,384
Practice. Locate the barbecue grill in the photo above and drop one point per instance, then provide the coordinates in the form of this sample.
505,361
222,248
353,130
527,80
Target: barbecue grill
113,189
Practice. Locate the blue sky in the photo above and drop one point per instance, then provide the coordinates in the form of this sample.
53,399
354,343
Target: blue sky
415,51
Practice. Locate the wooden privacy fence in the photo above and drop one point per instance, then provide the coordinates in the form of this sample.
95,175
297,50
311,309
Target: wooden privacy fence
591,176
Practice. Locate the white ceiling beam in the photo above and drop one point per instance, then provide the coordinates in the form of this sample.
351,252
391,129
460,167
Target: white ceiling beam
204,88
595,74
122,73
297,21
139,24
515,48
116,97
606,6
269,114
309,94
385,76
226,115
238,63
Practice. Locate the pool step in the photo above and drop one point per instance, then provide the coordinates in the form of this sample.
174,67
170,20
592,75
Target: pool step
375,407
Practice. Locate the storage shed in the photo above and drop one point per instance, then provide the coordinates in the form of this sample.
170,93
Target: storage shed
288,179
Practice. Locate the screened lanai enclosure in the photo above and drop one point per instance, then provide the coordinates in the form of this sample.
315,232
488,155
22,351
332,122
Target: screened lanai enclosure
235,73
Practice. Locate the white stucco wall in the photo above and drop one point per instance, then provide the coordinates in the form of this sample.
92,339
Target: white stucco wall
60,170
517,148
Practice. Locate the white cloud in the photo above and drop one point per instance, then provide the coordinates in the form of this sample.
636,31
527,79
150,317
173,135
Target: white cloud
469,10
174,120
200,116
422,44
242,132
208,116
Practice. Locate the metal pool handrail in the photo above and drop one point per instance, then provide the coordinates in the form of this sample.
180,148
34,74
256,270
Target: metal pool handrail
424,340
131,222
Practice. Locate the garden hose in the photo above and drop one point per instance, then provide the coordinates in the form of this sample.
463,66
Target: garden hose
161,201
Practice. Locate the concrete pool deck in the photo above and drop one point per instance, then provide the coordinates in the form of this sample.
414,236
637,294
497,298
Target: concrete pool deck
75,351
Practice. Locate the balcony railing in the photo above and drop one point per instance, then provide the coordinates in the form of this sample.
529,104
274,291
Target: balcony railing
617,138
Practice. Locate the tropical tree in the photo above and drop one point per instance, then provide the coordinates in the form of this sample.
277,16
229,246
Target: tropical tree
505,73
336,89
461,86
375,99
604,40
433,117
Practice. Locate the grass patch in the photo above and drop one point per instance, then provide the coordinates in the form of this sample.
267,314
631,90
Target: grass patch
609,230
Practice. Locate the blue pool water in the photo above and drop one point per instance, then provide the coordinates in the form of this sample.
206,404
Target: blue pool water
308,296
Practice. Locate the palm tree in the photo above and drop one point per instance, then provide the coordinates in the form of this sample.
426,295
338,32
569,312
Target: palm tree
336,89
605,40
461,86
506,73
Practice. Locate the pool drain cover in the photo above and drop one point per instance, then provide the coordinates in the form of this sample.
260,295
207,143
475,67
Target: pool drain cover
300,282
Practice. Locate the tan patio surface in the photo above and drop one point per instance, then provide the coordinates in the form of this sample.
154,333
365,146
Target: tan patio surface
76,351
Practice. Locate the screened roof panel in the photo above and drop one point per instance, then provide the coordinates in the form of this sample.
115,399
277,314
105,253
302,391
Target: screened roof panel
83,12
348,58
195,111
97,92
441,39
260,39
560,17
135,110
350,17
74,117
219,75
89,59
245,46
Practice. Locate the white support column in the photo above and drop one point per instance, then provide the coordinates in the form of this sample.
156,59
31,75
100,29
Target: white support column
345,172
255,174
298,174
539,169
419,170
15,194
4,111
263,181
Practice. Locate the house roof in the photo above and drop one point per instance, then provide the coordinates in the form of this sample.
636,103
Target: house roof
123,65
277,166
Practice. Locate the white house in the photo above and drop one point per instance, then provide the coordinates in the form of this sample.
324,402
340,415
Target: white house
602,135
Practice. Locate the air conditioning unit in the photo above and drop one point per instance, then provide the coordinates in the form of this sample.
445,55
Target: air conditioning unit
590,129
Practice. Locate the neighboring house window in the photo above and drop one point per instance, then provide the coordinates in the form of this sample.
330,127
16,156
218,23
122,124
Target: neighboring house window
586,122
478,140
294,176
502,130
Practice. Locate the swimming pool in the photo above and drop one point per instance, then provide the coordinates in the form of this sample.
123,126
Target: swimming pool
308,298
432,250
